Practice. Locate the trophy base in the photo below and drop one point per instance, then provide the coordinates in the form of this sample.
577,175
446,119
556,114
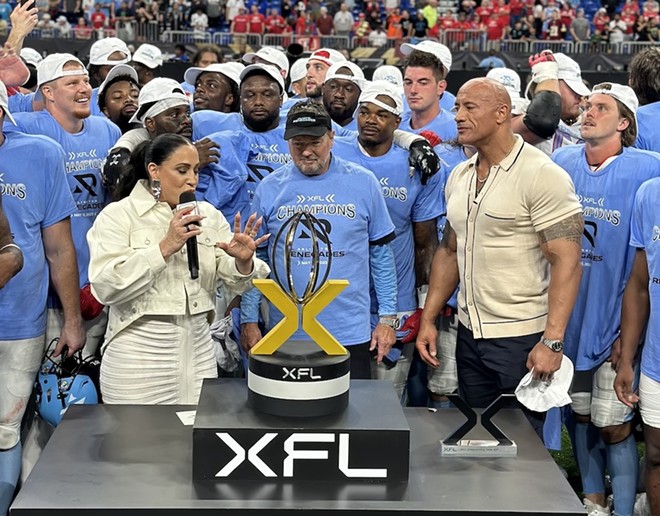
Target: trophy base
298,380
478,448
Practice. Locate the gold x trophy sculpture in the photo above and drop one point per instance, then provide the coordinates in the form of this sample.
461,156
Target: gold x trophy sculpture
291,377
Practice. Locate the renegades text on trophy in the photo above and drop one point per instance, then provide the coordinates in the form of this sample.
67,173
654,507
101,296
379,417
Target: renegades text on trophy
299,378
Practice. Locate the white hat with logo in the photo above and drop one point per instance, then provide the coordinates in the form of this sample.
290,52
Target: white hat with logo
511,81
270,55
541,395
102,49
158,95
148,55
260,68
230,70
430,47
31,56
336,71
52,68
327,56
571,74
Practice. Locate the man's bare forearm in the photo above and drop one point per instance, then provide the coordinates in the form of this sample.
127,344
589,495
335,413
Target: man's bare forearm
444,276
561,244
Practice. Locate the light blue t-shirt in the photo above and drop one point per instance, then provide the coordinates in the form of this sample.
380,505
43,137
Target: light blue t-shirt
20,103
349,205
224,184
207,122
447,101
94,103
443,125
35,196
645,234
607,197
648,134
84,154
407,201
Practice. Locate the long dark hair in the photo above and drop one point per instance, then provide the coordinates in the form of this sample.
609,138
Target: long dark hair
155,151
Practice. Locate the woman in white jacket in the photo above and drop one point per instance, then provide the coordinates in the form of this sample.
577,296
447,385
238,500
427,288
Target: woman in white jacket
158,345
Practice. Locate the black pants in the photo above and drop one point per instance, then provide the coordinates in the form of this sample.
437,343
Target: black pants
360,361
490,367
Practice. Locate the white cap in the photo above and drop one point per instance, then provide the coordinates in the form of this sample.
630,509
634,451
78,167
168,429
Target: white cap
268,69
4,103
31,56
430,47
148,55
104,48
165,93
570,73
623,94
374,89
327,56
52,68
540,396
356,76
116,71
511,81
298,70
390,74
230,70
507,78
271,55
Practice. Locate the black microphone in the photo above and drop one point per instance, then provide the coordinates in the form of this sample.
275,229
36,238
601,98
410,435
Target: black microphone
187,200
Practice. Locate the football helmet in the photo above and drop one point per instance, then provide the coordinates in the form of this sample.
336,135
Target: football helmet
63,381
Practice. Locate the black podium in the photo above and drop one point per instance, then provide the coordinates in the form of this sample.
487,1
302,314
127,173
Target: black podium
137,460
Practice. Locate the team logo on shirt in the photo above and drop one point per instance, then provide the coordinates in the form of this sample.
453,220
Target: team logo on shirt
656,234
17,190
400,193
595,208
590,232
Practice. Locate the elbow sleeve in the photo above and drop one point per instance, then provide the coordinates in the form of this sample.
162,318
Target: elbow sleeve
543,114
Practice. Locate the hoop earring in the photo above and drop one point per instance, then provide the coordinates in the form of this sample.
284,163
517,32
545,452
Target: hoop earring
155,189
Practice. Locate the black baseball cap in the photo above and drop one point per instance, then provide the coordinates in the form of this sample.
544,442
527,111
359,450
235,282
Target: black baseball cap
307,123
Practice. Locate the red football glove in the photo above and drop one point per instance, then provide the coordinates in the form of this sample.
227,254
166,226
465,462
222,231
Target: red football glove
544,66
431,137
408,332
90,308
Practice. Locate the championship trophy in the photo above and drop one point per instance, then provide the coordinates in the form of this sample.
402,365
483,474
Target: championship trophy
290,377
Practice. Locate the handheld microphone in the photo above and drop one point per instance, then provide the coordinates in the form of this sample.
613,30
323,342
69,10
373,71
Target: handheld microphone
187,200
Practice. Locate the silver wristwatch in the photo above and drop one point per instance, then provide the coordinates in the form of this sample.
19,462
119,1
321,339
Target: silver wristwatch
389,320
554,344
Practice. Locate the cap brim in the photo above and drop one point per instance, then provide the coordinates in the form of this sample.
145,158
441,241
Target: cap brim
316,131
578,87
191,75
406,48
8,114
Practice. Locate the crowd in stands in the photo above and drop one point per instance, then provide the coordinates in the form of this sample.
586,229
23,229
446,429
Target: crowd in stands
371,22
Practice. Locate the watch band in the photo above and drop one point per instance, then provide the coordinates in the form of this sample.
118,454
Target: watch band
555,345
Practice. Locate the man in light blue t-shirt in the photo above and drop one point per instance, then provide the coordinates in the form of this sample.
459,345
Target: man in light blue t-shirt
63,84
607,172
413,207
641,309
347,201
644,70
38,206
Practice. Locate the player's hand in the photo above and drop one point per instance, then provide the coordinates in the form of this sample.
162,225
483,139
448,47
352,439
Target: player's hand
382,340
431,137
544,67
544,361
250,335
623,385
72,337
208,150
426,344
410,328
616,353
423,158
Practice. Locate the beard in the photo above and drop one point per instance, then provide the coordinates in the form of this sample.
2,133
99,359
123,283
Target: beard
261,125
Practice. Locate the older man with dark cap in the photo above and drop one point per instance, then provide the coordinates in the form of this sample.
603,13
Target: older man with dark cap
347,201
